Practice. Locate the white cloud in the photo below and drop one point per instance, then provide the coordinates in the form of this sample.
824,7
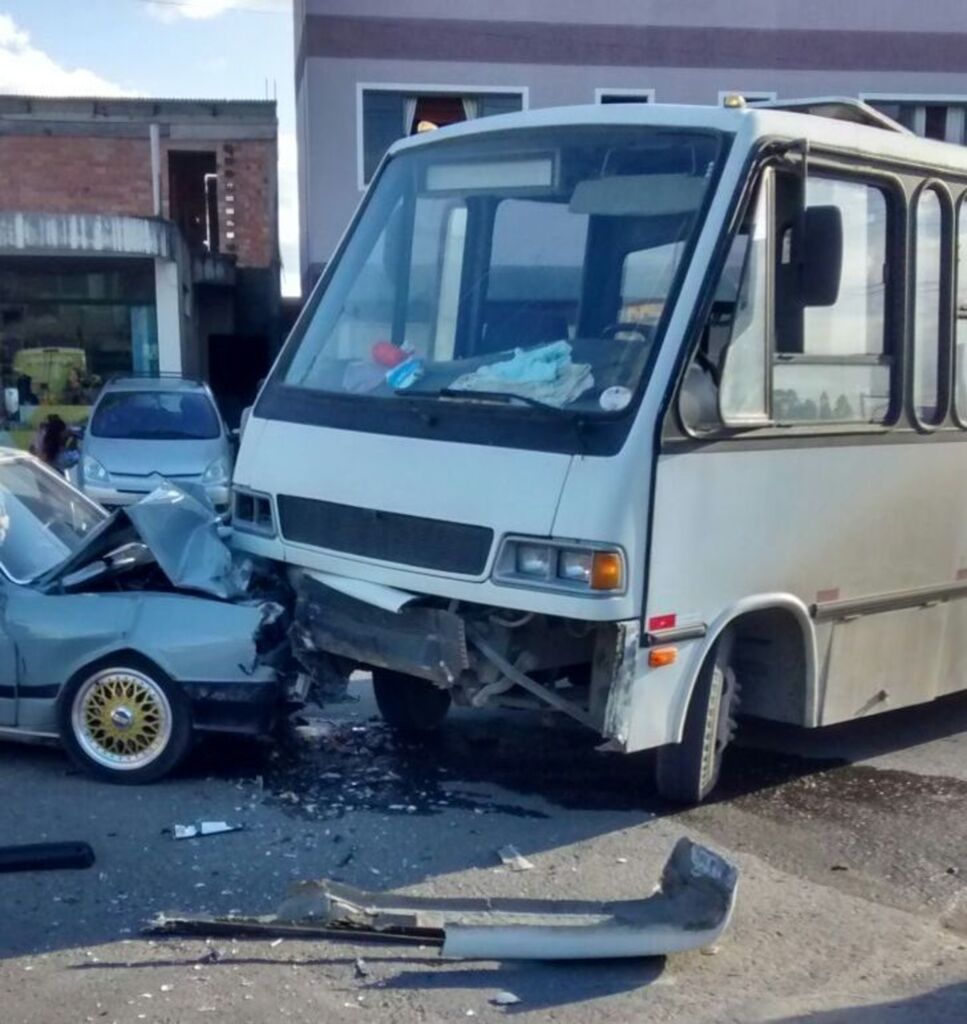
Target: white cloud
200,10
28,71
289,213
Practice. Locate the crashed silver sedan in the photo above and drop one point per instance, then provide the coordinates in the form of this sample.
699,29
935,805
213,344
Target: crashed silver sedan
125,635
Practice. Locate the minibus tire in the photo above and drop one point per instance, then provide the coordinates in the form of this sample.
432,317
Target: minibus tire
409,705
687,772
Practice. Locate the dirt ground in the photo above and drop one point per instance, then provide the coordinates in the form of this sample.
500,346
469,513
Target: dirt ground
851,844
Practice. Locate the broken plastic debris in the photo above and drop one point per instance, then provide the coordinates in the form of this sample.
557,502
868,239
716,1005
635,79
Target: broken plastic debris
690,909
511,858
203,828
505,999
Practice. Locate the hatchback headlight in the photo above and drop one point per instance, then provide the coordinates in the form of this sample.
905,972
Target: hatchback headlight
560,566
94,472
218,472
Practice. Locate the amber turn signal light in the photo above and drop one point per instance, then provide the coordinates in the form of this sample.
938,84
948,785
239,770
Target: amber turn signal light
607,571
659,657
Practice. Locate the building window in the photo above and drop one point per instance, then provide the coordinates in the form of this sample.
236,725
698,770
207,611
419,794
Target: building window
749,96
66,325
933,117
390,114
624,95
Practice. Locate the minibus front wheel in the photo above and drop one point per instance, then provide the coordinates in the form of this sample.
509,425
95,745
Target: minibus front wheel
409,705
687,772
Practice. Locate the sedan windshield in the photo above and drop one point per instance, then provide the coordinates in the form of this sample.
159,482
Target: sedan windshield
513,269
42,519
156,416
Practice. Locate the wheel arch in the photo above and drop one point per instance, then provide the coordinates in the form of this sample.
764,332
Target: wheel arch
122,657
778,628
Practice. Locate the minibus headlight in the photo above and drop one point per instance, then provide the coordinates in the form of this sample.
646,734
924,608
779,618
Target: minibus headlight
534,560
560,566
574,565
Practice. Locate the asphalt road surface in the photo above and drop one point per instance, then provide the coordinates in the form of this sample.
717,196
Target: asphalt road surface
851,843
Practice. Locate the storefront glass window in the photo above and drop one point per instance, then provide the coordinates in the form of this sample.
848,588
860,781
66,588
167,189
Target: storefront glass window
65,327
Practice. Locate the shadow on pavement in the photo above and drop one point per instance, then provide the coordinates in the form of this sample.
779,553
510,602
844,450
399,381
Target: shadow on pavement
946,1005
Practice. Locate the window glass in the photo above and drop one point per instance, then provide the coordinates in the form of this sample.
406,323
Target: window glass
388,116
468,250
961,336
156,416
42,519
624,97
926,307
66,325
737,322
535,274
838,370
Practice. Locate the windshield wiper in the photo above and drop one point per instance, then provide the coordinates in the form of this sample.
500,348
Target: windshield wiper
506,397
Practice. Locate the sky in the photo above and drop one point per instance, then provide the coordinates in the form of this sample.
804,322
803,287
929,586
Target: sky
212,49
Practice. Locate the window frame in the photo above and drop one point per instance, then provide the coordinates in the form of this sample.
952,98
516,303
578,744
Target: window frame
644,95
435,89
958,416
828,164
944,336
758,95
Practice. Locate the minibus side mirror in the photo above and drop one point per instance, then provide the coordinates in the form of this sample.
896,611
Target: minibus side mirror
822,265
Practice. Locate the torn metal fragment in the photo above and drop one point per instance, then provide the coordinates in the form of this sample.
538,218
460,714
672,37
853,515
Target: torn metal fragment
690,909
203,828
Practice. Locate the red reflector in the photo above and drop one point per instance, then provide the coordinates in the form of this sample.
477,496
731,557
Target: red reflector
659,622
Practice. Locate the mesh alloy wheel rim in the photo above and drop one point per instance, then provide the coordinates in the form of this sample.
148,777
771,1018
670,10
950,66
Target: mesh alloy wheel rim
121,719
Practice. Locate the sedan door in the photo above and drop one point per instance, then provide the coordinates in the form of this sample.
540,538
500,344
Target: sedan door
8,662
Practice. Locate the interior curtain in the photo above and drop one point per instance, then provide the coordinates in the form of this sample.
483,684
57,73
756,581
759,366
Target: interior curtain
409,112
471,108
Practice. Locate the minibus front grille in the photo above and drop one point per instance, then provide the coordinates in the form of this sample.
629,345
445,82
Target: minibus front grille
386,536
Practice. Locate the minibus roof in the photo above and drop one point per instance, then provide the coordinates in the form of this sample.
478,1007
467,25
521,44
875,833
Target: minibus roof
840,125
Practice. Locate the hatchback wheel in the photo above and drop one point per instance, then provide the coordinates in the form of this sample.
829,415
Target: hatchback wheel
125,724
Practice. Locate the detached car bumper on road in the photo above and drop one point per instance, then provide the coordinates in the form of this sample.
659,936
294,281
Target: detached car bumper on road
136,633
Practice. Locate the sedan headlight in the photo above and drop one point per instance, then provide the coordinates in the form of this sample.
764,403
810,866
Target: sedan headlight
94,472
560,566
218,472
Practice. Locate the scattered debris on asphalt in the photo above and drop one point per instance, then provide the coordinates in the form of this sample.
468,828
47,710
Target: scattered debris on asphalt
690,909
361,970
511,858
203,828
505,999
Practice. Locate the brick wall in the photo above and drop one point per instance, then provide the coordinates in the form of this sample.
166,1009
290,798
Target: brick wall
75,174
109,175
247,214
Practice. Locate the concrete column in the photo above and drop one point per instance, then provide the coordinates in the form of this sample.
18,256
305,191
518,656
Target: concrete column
155,137
167,297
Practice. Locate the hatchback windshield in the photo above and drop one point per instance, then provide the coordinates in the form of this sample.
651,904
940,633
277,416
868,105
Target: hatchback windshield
42,519
156,416
513,268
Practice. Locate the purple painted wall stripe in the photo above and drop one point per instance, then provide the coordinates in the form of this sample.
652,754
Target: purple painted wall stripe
538,42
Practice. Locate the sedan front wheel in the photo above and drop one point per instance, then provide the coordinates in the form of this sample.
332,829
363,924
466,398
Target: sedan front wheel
125,724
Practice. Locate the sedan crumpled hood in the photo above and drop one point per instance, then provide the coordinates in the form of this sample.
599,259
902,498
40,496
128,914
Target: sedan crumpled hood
178,525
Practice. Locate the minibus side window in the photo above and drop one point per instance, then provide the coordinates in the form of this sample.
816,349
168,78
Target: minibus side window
926,307
961,337
831,361
737,323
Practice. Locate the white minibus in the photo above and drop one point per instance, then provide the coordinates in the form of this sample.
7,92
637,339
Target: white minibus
652,415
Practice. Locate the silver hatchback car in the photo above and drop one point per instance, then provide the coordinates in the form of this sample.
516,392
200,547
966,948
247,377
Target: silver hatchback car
144,428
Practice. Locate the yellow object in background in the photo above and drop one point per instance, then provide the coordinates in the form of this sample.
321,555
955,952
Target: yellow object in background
49,370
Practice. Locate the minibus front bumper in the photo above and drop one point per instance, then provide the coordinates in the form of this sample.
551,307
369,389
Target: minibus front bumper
427,642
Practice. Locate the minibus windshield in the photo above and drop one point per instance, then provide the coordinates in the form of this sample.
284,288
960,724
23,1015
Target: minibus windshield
522,269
